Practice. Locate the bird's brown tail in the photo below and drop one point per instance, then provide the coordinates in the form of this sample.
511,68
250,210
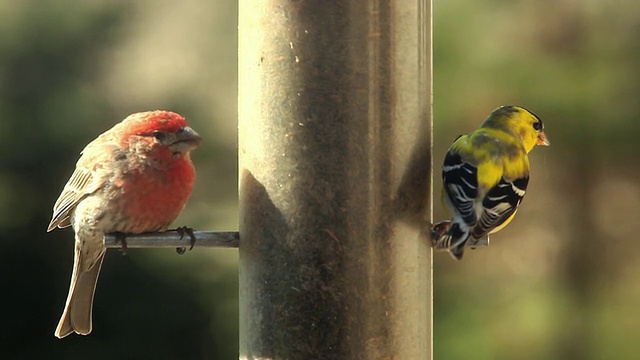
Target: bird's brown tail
77,311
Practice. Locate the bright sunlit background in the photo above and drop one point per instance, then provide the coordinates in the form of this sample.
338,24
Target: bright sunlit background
561,282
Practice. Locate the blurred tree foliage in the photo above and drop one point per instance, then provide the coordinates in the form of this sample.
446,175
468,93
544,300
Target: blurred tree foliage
559,283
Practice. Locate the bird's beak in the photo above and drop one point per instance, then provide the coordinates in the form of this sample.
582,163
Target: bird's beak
186,140
542,139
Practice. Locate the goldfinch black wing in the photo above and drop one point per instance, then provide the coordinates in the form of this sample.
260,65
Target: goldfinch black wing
499,205
460,186
460,181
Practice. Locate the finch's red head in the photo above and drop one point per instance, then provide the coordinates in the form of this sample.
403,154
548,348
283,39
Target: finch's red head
160,120
159,130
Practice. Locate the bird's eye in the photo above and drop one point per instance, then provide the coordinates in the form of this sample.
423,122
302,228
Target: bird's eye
537,126
158,135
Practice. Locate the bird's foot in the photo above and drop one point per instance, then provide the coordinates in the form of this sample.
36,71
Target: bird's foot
437,230
182,231
122,239
478,243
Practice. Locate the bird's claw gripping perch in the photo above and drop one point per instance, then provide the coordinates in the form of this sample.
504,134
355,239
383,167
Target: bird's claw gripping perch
438,229
122,239
478,243
182,230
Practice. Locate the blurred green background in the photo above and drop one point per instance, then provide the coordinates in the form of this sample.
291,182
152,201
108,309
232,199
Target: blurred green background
561,282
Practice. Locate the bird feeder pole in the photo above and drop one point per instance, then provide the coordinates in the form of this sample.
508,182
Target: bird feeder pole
335,179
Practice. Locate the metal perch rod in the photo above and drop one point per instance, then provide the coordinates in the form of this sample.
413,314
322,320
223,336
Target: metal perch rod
172,239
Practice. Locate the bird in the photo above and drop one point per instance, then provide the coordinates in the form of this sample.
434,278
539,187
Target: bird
134,178
485,176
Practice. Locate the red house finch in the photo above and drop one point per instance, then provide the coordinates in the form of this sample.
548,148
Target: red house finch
134,178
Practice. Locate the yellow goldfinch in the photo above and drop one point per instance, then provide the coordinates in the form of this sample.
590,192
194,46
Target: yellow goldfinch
485,176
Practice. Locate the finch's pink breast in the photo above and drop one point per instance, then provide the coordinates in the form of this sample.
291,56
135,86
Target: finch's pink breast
153,199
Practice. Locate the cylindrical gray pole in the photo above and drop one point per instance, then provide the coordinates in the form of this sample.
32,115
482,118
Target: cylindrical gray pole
335,179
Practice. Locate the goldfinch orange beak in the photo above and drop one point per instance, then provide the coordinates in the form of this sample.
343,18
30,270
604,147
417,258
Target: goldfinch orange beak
542,139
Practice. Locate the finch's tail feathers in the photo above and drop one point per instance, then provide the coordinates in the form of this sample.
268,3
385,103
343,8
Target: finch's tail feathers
456,252
472,243
453,240
77,311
